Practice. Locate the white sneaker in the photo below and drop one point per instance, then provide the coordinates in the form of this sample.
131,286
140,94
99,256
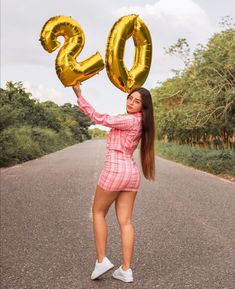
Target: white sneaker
101,268
125,276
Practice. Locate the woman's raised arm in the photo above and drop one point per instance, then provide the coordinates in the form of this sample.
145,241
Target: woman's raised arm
123,122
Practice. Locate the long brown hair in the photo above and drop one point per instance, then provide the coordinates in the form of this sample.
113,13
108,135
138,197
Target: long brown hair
147,154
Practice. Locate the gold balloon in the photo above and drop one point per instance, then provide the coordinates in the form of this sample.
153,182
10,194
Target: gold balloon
126,27
68,70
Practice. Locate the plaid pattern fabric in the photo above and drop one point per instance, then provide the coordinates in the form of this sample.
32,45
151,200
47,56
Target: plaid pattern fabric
120,171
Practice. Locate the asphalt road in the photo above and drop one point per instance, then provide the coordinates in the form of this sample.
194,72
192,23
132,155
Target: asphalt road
184,224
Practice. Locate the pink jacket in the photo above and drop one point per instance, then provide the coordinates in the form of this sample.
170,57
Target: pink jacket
125,130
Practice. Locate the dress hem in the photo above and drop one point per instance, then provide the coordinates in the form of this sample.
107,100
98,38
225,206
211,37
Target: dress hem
123,190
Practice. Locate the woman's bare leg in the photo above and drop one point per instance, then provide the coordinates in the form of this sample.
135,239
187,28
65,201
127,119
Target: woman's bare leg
102,201
124,206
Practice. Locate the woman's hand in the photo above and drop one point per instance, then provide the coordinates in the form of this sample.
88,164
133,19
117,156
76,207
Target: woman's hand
77,89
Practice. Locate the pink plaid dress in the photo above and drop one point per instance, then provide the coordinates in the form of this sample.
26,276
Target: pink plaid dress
120,172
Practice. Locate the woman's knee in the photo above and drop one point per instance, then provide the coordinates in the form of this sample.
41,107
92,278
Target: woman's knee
124,221
99,211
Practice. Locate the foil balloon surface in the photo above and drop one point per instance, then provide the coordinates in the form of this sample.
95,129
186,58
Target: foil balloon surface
68,69
126,27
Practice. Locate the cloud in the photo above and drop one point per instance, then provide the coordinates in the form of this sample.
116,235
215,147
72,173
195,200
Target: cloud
177,13
43,93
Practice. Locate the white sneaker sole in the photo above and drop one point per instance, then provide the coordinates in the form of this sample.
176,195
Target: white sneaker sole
101,274
122,278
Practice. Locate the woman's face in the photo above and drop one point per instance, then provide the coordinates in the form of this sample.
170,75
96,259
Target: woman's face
134,102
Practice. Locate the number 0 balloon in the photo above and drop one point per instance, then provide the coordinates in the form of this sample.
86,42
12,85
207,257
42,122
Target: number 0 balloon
123,29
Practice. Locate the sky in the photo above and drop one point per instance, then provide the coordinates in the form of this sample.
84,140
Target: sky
24,59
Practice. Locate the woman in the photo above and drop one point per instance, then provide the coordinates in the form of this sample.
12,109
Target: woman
120,178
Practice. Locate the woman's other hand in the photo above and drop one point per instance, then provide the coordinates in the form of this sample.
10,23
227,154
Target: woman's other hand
77,89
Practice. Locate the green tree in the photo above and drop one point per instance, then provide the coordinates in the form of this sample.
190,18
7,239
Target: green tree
197,106
30,128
